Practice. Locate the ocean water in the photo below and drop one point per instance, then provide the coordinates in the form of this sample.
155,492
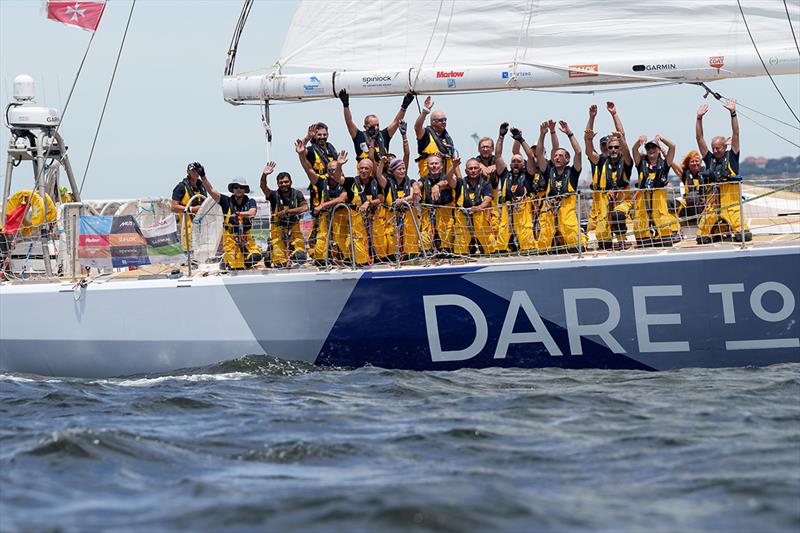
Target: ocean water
261,444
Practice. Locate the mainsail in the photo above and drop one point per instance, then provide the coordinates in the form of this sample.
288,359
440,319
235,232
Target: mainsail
387,47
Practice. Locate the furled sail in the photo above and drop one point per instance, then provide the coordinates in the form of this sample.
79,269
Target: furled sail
440,46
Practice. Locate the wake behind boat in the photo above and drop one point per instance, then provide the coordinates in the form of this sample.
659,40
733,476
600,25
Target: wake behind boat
568,302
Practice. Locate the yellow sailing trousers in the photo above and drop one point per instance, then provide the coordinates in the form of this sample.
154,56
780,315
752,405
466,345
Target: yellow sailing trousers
722,207
444,227
568,230
599,209
401,227
651,205
239,251
381,231
280,236
476,225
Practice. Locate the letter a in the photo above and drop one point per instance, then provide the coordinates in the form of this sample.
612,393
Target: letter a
520,299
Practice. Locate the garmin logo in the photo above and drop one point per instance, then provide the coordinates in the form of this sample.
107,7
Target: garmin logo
449,74
655,68
52,119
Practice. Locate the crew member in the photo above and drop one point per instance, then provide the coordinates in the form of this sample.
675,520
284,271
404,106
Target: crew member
402,226
287,205
518,185
611,197
560,225
722,167
328,191
485,159
319,154
372,130
437,202
652,219
189,190
433,139
367,198
239,248
349,230
693,179
599,198
473,215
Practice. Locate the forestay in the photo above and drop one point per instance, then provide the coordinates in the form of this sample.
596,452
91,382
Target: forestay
391,46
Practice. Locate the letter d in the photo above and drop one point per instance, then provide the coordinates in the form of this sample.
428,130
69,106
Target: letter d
430,303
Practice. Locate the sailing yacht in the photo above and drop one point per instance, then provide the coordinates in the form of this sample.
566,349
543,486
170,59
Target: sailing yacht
726,304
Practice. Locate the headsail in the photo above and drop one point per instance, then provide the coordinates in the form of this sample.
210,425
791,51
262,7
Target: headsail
391,46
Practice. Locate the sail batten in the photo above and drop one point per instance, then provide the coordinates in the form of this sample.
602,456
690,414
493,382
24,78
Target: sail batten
390,46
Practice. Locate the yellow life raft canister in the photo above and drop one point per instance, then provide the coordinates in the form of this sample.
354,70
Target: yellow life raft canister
35,215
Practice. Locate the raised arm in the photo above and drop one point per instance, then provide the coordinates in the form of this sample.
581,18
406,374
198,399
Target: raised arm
300,148
612,108
540,158
348,116
551,125
403,127
401,114
379,172
499,162
624,149
450,175
730,105
637,157
341,161
670,149
212,192
530,159
698,130
269,168
577,161
419,124
589,135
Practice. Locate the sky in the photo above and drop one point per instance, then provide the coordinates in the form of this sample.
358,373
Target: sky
166,107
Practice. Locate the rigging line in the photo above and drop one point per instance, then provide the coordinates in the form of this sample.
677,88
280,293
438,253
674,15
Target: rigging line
599,91
719,96
524,27
446,33
430,40
747,27
791,28
769,130
108,94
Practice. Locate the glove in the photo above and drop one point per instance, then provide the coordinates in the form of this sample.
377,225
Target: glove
403,127
344,97
407,99
516,134
503,129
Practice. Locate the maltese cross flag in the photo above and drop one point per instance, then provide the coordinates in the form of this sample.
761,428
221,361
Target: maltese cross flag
85,15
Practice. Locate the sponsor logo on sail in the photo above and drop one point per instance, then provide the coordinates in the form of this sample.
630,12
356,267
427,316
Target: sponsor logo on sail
450,74
518,74
381,80
585,71
451,84
716,62
314,86
660,67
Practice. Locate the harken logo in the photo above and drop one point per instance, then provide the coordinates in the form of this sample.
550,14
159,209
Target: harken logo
449,74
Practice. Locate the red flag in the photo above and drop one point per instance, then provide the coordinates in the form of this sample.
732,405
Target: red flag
14,220
85,15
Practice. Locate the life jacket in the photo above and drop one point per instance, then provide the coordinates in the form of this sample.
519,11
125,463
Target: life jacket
693,182
512,184
395,191
611,176
361,145
468,195
188,192
721,171
498,188
365,192
653,177
283,204
319,158
430,144
559,184
231,218
318,192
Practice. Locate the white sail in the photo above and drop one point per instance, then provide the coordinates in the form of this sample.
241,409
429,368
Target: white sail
389,47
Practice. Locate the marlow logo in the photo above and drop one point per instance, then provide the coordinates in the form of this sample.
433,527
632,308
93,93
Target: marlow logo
449,74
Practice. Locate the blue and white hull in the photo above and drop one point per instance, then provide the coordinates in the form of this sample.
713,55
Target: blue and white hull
651,311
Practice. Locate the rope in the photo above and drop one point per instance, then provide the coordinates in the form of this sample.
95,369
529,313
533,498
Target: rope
791,28
755,47
108,94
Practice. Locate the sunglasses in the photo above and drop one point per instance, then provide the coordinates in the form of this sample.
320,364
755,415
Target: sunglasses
613,147
439,119
234,187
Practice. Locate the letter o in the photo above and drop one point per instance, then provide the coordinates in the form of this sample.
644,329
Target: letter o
758,309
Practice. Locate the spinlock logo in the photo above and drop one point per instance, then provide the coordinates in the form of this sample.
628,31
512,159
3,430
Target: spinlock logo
655,68
449,74
375,79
